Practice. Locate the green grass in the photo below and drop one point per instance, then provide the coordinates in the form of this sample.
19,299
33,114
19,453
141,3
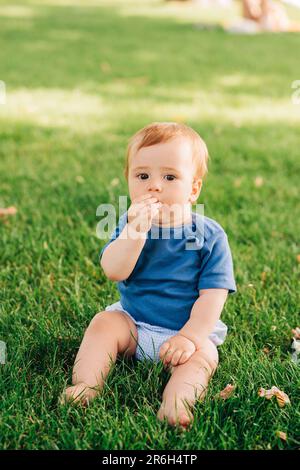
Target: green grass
81,77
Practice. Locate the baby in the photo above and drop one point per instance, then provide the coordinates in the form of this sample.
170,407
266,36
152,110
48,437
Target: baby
174,271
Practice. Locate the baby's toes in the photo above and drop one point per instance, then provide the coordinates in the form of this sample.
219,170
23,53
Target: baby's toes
79,393
175,415
185,418
161,415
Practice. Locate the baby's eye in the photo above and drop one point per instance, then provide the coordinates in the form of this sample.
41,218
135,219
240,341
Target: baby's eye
142,174
170,177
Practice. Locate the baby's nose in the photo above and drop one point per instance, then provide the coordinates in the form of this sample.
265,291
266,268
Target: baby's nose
155,186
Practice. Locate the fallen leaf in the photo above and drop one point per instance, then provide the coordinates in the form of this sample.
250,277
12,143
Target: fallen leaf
282,398
217,130
281,434
263,276
259,181
266,350
7,211
80,179
237,182
140,80
115,182
105,67
296,332
298,258
227,391
268,394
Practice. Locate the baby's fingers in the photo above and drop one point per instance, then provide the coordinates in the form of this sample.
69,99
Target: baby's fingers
184,357
176,356
163,349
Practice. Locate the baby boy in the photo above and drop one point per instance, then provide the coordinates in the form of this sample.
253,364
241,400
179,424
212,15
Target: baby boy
174,271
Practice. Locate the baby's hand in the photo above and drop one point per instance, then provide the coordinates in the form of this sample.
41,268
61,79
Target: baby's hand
177,350
142,211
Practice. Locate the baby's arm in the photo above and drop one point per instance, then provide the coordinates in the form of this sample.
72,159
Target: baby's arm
120,257
205,313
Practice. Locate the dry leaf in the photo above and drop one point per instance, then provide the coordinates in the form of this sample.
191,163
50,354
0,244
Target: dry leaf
281,434
298,258
282,398
140,80
266,350
115,182
262,392
7,211
227,391
80,179
296,332
217,130
263,276
273,327
237,182
105,67
259,181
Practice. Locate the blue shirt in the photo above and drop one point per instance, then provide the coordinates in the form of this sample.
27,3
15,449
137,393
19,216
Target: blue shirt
174,264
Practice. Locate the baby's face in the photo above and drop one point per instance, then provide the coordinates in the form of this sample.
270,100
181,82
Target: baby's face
166,171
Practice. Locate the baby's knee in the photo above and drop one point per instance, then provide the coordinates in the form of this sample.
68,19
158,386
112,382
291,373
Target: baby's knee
102,320
116,326
97,320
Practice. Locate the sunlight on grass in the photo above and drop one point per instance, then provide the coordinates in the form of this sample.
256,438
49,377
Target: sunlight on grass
58,108
180,11
17,11
189,11
91,113
217,107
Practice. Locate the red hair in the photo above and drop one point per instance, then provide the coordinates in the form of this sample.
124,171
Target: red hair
159,132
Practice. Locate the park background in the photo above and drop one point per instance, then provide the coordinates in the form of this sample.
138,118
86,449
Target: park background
81,77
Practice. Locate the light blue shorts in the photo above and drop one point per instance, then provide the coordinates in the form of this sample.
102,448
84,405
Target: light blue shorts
151,337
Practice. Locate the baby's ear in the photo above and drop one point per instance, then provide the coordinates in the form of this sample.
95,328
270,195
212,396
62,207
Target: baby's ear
196,189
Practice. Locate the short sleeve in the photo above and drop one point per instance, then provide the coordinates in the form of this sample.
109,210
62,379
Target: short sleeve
121,224
217,265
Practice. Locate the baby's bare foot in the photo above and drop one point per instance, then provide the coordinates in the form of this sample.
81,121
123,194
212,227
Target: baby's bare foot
79,393
177,413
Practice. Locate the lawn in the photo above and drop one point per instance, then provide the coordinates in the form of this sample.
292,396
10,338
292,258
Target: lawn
81,77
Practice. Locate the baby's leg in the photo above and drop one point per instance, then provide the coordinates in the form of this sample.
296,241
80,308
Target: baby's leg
108,334
187,384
